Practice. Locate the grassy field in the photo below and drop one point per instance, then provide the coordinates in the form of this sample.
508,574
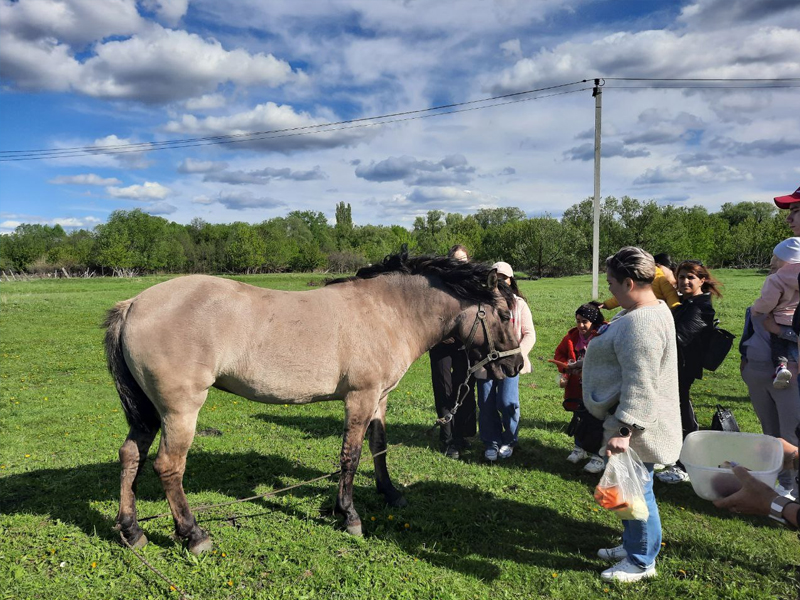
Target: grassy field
522,529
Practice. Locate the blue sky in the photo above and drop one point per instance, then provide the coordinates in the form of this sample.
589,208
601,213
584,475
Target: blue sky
82,72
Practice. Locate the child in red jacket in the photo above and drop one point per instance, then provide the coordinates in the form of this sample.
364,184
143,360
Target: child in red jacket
587,430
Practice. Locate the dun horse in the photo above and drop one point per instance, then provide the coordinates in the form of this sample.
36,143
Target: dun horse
351,341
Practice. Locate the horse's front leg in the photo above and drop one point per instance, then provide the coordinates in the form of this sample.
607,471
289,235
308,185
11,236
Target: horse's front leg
377,445
359,408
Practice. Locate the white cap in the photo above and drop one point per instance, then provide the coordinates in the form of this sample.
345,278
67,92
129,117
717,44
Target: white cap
503,268
788,250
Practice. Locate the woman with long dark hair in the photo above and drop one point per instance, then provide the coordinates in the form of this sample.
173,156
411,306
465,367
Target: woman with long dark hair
694,320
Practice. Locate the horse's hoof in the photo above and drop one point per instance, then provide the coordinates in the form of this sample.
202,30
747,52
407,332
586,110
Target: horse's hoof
140,543
355,530
397,502
201,546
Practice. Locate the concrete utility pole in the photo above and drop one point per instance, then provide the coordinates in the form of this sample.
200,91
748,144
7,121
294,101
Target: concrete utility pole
598,109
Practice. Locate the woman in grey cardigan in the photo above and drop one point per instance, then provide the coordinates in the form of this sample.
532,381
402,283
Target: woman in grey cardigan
630,380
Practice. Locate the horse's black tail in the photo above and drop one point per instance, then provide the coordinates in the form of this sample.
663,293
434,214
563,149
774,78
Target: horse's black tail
139,410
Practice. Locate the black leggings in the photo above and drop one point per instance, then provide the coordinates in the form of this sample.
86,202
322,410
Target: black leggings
587,430
448,370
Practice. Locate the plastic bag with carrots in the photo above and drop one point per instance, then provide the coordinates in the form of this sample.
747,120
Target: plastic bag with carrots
621,488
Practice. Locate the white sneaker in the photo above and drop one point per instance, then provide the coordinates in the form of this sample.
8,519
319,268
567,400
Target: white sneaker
595,465
505,451
627,572
577,455
491,453
782,377
672,474
612,554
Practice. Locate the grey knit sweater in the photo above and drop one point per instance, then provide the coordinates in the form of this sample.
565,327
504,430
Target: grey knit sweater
630,376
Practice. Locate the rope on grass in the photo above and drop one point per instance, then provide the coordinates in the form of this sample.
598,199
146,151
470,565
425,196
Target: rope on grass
172,584
204,507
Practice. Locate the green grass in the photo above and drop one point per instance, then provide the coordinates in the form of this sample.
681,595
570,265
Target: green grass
525,528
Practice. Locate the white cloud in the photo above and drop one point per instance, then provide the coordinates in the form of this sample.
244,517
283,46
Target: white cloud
74,22
150,190
85,179
266,118
512,49
452,169
168,11
205,102
765,52
240,201
692,174
263,176
152,65
191,165
160,208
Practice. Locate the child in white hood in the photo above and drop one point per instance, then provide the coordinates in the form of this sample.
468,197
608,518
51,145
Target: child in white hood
780,296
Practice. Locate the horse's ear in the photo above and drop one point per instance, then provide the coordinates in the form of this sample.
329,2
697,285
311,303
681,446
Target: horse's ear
491,281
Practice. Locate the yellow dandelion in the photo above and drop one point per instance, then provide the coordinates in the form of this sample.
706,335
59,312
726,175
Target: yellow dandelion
391,517
605,590
27,456
663,544
407,525
224,555
2,466
94,565
172,588
555,575
372,518
230,582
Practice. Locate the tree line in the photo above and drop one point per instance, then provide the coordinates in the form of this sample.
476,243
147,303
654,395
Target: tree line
739,235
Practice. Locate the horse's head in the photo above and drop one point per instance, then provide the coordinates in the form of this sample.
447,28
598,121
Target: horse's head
489,337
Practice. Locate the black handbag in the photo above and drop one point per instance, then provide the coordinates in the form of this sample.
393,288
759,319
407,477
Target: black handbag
723,420
718,345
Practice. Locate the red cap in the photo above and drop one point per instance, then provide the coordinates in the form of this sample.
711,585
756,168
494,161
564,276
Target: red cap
785,201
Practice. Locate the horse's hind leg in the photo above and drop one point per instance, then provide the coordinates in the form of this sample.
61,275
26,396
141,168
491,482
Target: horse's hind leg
176,437
359,408
377,445
132,456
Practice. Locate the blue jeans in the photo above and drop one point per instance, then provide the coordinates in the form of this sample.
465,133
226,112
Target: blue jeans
498,403
642,539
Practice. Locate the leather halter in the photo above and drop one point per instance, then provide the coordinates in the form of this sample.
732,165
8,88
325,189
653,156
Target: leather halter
480,319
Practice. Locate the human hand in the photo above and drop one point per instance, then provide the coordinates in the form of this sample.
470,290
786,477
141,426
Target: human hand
790,453
575,366
617,445
754,498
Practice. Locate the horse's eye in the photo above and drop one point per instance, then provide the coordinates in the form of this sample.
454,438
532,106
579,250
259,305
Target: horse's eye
505,316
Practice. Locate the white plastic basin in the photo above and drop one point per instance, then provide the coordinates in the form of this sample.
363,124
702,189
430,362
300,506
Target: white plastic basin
704,451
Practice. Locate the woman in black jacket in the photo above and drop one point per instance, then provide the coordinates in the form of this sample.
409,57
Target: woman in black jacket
694,320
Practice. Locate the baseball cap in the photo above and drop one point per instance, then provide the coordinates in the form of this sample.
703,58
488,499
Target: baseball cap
785,201
503,268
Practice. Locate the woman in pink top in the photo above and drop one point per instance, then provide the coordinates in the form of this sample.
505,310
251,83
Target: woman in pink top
779,297
498,401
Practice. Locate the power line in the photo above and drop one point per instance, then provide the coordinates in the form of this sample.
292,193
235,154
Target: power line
268,137
721,79
148,146
434,111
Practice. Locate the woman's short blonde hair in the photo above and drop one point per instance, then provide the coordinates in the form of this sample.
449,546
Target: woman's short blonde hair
632,262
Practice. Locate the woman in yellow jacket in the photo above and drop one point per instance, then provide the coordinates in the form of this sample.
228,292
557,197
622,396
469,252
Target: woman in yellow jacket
663,290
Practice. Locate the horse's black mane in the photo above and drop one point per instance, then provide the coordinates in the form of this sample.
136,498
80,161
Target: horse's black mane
465,280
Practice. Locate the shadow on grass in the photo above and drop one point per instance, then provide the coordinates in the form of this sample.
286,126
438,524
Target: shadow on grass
450,525
68,494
